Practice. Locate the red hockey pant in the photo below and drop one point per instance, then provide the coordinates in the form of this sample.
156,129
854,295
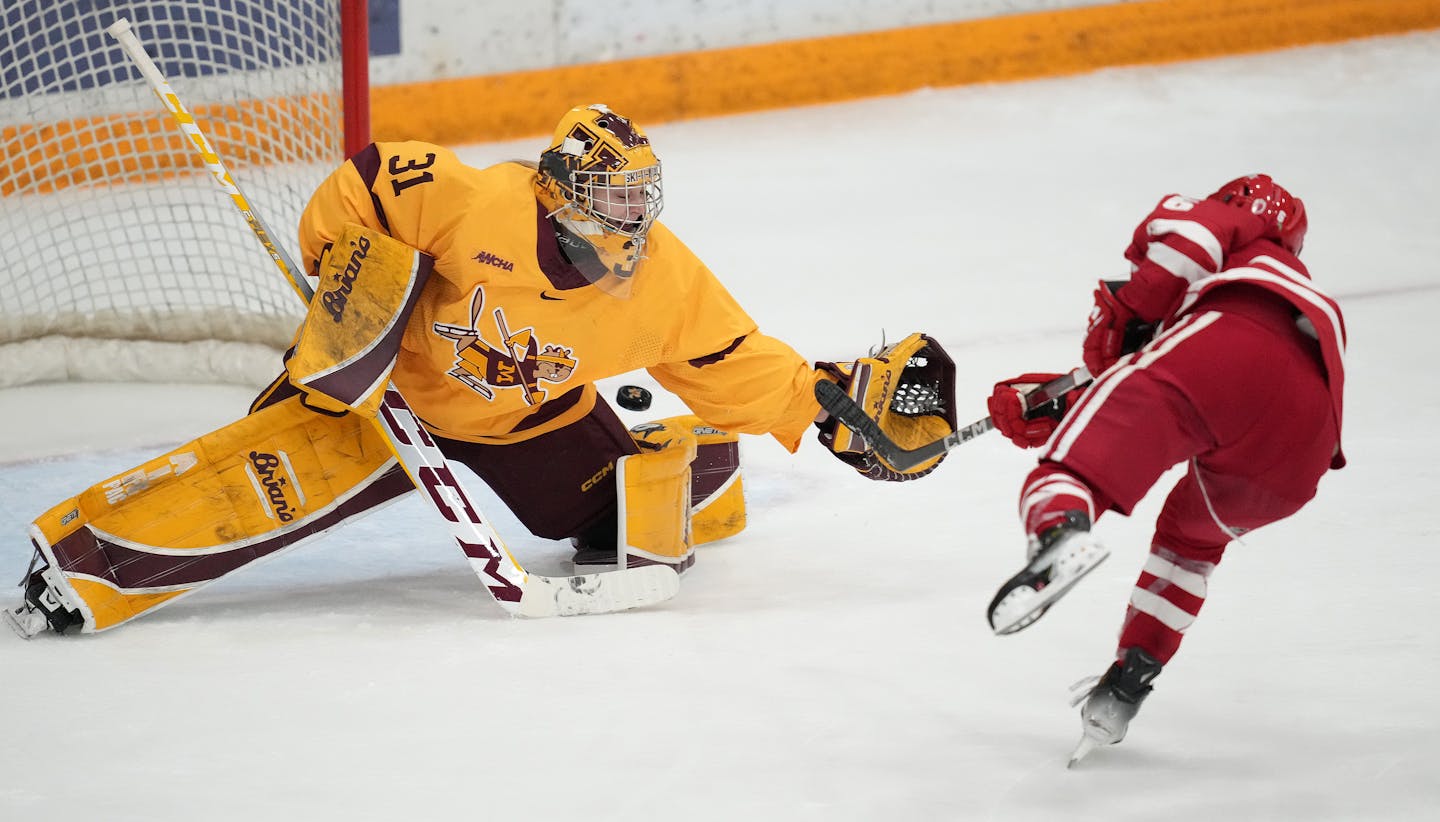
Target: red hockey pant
1238,393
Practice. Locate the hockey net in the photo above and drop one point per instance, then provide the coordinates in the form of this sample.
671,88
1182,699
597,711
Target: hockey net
120,259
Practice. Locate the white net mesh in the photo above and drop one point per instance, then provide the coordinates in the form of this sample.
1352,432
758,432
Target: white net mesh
111,230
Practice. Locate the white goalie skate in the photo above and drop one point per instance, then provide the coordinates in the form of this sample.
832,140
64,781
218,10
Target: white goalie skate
41,608
24,620
1065,556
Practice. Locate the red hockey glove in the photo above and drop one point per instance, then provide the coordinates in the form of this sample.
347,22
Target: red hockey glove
1008,411
1114,329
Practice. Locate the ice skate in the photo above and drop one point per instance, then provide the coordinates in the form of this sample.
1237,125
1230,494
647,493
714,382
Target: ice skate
596,549
1113,701
41,608
24,620
1062,557
590,559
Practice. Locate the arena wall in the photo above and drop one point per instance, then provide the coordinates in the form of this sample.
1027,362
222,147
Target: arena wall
471,71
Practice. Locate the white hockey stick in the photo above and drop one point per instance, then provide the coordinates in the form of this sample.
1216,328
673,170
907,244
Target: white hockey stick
505,578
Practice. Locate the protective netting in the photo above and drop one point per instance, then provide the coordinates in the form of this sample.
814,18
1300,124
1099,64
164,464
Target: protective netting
111,229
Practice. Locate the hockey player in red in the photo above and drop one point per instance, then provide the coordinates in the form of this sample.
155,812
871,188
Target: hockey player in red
1220,353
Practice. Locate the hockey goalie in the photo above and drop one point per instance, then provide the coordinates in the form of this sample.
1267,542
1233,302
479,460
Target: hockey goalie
493,299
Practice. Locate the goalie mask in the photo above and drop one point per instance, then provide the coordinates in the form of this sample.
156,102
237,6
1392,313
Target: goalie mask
600,180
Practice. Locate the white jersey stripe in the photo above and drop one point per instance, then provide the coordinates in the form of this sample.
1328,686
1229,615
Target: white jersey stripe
1281,275
1074,424
1192,231
1169,614
1281,268
1177,263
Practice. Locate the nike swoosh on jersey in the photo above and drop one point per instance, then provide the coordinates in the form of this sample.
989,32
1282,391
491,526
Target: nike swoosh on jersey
545,295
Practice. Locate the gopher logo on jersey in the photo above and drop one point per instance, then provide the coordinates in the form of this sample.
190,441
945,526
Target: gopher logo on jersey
518,361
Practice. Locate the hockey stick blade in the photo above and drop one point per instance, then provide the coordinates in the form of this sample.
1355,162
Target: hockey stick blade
601,593
839,405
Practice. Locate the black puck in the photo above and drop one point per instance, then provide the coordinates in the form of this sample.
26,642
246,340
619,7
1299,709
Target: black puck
633,398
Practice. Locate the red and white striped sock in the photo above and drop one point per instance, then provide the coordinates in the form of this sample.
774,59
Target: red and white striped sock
1049,493
1164,603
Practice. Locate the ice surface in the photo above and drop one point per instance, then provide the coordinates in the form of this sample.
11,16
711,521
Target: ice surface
832,662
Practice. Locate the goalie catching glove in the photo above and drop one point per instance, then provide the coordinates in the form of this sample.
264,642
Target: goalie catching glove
908,388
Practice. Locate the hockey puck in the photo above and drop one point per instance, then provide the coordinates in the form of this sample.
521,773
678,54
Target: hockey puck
633,398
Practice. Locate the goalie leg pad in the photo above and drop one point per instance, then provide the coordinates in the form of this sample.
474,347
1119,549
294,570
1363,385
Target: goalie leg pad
247,491
717,492
717,495
654,499
683,489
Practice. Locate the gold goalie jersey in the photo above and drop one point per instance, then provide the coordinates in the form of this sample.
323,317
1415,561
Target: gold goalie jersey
507,337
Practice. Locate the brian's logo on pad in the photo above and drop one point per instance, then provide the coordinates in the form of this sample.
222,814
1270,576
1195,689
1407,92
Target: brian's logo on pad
267,474
336,295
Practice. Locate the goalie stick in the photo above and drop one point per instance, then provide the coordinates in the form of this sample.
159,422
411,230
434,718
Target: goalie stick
515,590
839,405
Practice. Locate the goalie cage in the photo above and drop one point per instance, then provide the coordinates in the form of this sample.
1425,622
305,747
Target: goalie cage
119,261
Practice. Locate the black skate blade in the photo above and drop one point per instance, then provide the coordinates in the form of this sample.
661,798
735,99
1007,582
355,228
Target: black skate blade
1044,597
1015,586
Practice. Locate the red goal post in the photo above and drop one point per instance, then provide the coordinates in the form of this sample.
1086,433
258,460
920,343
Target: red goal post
118,258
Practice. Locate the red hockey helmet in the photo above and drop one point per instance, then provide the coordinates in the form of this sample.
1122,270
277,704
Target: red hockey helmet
1284,214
